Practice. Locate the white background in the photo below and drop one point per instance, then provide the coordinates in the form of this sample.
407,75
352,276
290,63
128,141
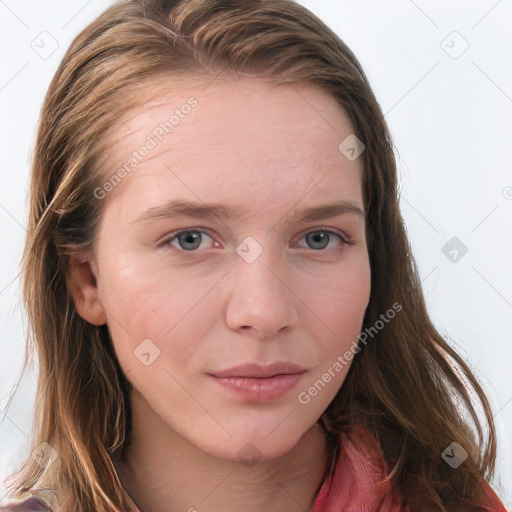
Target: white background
450,117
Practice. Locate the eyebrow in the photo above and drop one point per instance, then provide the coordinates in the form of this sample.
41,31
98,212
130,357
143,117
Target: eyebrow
212,212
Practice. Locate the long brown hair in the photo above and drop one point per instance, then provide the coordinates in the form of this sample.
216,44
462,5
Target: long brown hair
408,387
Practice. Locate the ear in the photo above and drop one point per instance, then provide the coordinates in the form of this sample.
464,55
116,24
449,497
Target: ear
83,287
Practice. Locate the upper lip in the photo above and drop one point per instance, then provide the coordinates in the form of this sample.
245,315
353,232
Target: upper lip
254,370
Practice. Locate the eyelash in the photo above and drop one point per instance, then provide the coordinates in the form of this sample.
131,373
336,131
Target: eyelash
175,234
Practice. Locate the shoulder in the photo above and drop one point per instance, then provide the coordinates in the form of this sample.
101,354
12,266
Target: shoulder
360,479
30,504
491,501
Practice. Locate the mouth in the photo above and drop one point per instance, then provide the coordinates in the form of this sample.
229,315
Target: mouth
260,383
255,371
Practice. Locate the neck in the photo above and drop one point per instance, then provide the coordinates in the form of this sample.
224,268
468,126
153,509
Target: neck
163,472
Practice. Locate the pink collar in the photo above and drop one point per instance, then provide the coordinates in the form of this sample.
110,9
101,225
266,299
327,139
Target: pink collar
358,479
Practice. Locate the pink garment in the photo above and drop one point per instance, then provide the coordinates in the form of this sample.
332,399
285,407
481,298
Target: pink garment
32,504
357,480
355,483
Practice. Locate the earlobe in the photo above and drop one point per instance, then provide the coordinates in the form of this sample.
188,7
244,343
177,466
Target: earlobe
83,287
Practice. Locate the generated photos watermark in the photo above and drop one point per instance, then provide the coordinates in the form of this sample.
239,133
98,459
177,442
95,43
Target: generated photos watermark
342,361
152,141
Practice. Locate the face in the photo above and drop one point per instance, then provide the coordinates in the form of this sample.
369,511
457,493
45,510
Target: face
231,296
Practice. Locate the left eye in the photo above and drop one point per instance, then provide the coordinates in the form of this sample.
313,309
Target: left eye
321,239
190,240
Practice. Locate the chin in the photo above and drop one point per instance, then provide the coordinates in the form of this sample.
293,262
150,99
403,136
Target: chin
257,445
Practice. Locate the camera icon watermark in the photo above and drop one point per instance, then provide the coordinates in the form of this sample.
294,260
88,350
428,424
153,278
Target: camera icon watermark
249,250
249,454
147,352
44,455
454,249
454,45
351,147
454,455
45,45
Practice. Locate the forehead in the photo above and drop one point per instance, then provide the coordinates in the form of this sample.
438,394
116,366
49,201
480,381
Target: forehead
229,135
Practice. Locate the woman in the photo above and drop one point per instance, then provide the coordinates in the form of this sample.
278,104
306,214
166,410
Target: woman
222,297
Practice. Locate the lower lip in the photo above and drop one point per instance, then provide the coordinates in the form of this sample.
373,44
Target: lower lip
260,390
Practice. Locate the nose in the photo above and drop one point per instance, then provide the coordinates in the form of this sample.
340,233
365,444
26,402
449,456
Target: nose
261,297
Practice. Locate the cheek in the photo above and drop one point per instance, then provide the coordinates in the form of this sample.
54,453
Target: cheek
343,299
341,306
150,302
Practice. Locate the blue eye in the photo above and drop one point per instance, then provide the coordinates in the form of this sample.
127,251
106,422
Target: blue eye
191,239
188,240
321,239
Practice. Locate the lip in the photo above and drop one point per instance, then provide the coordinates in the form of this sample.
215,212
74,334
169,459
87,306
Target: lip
254,370
260,383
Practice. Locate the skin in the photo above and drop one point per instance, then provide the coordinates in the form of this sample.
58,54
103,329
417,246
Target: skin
268,152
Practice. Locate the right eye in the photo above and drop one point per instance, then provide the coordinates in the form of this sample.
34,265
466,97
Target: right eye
187,240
